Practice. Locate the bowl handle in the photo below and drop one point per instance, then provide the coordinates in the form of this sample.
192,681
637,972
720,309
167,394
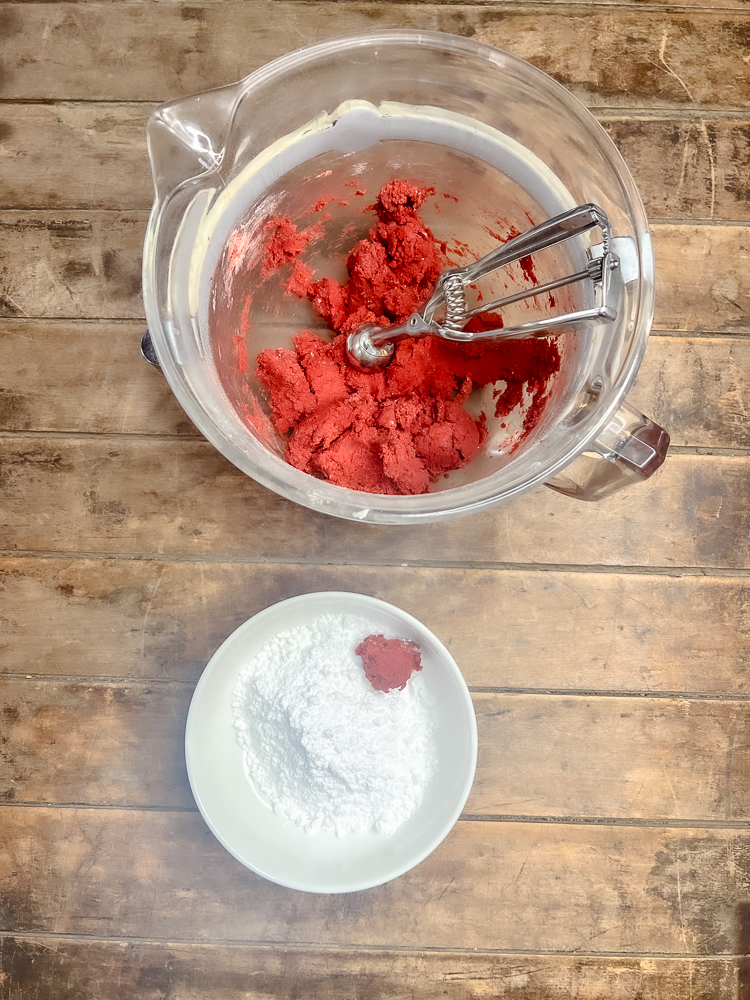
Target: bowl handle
186,137
628,450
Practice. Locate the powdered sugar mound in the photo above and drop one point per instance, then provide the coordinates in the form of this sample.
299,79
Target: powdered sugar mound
324,747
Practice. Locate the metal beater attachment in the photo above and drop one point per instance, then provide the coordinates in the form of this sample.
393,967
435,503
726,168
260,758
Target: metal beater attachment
372,347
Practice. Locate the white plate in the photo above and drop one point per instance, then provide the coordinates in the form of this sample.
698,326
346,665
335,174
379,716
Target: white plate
277,848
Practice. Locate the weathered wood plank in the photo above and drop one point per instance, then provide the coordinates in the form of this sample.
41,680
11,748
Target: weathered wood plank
626,890
539,755
697,388
506,628
707,5
125,747
100,158
137,971
619,757
88,265
137,51
89,377
638,58
699,282
685,169
114,495
72,264
84,376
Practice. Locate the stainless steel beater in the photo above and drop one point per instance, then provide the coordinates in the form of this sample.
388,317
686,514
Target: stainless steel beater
371,347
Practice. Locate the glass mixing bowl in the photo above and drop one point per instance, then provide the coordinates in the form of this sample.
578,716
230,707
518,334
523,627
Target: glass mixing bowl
508,143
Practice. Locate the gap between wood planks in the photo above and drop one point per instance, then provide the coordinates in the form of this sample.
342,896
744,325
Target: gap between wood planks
104,680
713,222
740,335
545,692
375,948
609,569
144,212
550,6
694,112
630,822
677,449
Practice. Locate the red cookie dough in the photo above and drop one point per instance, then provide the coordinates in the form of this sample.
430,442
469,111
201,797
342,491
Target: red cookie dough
389,663
390,274
398,430
283,243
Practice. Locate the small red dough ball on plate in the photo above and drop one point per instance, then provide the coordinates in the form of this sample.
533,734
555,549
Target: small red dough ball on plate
389,663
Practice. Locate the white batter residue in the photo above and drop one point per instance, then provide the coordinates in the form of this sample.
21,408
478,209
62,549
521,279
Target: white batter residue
324,747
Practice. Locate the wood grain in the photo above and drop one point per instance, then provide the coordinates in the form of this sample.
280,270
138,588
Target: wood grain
646,59
616,57
699,284
101,158
84,376
516,629
88,265
120,970
695,168
622,890
72,264
686,169
611,757
539,755
698,389
99,383
125,748
605,848
72,494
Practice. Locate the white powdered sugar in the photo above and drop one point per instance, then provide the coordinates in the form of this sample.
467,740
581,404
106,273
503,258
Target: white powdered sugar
320,744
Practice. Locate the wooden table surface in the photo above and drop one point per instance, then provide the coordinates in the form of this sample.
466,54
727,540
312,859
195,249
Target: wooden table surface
605,848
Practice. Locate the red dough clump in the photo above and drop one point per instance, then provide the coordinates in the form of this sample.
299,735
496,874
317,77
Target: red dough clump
283,243
390,274
393,431
389,663
398,430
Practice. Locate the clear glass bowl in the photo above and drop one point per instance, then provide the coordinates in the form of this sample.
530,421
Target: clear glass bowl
439,110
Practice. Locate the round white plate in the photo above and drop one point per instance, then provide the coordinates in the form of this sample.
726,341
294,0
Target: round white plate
277,848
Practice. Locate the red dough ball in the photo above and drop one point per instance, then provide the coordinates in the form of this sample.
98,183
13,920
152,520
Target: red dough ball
389,663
